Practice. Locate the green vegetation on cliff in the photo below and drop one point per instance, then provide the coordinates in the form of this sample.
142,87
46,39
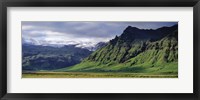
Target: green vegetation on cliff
137,51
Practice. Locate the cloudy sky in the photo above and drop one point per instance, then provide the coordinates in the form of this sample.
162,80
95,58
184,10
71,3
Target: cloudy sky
86,33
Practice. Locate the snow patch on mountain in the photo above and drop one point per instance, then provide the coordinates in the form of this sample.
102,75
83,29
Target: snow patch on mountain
86,45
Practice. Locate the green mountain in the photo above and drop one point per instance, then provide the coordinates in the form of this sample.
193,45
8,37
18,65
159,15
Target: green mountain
135,50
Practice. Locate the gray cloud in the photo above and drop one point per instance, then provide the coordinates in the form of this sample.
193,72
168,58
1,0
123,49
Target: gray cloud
58,32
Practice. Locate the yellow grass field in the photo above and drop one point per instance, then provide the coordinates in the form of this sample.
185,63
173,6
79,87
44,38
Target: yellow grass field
94,75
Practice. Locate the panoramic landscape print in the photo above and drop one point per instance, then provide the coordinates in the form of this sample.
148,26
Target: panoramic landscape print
98,49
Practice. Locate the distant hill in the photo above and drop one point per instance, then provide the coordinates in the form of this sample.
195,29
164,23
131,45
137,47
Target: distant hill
135,50
37,57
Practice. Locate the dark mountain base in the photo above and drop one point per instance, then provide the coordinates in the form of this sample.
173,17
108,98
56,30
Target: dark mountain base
40,58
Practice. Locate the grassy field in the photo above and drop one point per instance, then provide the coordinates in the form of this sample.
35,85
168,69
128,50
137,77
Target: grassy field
95,75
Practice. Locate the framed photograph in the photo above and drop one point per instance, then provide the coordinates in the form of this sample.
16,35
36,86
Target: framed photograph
103,49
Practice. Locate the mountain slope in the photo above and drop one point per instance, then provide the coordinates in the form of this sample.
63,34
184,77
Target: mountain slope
136,50
37,57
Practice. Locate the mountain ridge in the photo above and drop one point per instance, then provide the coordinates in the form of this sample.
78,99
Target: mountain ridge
136,49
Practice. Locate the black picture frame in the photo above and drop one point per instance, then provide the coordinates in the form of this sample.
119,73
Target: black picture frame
98,3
